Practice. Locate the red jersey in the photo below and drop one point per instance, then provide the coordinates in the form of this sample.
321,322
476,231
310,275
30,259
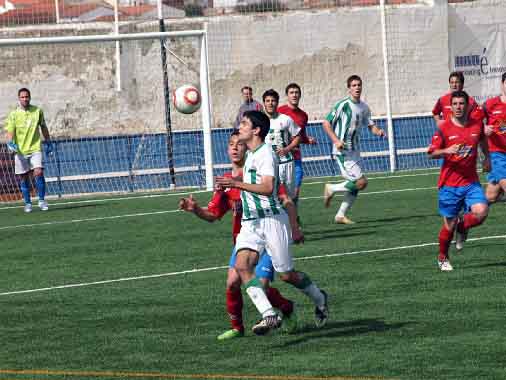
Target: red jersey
224,200
300,117
443,108
495,112
458,169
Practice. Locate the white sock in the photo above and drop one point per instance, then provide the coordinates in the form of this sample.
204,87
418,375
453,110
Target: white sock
259,299
313,292
346,205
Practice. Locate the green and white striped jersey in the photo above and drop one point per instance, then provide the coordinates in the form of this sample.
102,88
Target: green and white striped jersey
283,128
259,163
346,118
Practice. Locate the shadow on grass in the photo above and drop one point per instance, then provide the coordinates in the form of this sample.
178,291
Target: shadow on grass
343,329
70,207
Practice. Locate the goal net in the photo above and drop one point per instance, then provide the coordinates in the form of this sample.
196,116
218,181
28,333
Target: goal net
108,110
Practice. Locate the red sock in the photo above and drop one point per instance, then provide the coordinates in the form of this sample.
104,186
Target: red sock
470,221
234,308
445,238
278,301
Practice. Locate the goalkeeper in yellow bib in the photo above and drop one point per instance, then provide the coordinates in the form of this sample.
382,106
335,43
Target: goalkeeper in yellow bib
343,125
23,127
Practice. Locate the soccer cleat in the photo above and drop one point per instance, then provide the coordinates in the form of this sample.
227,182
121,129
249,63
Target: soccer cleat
343,220
327,195
267,324
28,207
445,266
43,205
231,334
321,315
290,322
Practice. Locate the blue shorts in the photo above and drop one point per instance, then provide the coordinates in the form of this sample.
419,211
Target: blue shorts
299,173
498,163
264,268
453,199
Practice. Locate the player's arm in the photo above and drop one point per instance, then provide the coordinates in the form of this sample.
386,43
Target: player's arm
190,205
377,131
44,129
290,147
489,128
10,128
265,188
437,148
485,162
291,210
437,112
327,127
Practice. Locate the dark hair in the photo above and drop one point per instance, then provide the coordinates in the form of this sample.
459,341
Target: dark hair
503,78
271,92
235,132
292,85
457,74
259,120
351,79
246,88
24,89
460,94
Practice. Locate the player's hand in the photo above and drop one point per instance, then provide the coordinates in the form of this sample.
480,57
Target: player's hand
188,204
281,152
485,165
225,182
453,149
381,133
48,146
489,129
12,147
311,140
339,144
297,235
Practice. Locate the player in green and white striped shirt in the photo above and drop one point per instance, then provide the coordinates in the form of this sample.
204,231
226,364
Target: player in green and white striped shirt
265,225
343,125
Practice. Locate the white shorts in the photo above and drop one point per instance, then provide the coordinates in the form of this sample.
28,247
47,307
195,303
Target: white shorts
350,165
272,234
24,163
287,177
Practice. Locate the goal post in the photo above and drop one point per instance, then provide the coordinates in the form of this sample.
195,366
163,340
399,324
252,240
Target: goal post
90,146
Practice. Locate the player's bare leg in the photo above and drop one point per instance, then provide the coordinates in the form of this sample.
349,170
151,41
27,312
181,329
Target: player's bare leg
302,282
349,199
477,216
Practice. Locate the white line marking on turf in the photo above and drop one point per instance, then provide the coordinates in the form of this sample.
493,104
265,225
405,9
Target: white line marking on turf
113,199
174,211
374,178
147,196
169,274
89,219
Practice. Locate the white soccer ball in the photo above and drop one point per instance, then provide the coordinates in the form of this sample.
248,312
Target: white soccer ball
186,99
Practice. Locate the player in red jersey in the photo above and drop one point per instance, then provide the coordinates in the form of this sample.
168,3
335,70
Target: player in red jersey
495,129
222,201
456,141
293,93
443,109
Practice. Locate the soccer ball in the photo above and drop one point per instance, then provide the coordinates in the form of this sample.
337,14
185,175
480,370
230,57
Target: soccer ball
186,99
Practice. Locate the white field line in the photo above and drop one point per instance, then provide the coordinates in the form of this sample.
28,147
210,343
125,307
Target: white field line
147,196
89,219
171,274
174,211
